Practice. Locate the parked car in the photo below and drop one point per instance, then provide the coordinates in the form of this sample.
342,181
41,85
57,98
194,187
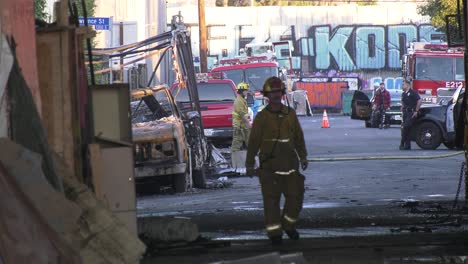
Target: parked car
361,108
216,98
160,140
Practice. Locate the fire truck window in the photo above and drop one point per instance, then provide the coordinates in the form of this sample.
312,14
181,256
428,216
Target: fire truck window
257,76
421,69
236,76
434,69
459,70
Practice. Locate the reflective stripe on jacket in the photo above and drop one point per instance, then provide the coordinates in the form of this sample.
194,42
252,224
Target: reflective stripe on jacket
278,139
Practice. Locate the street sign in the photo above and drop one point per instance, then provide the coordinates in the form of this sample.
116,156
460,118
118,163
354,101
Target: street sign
99,23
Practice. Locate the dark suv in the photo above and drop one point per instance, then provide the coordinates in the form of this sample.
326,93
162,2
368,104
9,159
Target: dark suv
361,107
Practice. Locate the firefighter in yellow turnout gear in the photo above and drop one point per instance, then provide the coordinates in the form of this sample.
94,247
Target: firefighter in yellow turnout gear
240,119
277,138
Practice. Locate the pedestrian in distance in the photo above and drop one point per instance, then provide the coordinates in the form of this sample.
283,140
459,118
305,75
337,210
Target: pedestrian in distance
410,105
278,139
380,105
240,119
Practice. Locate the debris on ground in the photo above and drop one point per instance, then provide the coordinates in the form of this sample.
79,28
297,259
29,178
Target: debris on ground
218,158
225,163
160,248
221,182
168,229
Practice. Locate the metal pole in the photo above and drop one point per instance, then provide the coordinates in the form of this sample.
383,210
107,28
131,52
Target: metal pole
111,29
203,36
465,27
88,44
121,38
460,26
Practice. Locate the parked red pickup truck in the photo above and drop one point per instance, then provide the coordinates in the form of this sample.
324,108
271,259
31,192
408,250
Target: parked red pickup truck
216,102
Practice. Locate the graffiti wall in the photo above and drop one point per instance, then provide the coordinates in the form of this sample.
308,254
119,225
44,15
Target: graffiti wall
323,94
334,41
342,38
347,47
352,47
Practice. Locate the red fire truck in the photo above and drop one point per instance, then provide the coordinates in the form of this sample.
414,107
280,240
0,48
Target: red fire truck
435,70
253,70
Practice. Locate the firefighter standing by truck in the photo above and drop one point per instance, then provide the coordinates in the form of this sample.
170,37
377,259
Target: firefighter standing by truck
277,136
240,123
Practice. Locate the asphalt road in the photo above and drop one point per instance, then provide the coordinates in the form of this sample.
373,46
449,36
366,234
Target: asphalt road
335,184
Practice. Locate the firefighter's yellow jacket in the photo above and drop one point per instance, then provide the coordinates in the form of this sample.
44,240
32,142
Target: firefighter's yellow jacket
239,112
278,139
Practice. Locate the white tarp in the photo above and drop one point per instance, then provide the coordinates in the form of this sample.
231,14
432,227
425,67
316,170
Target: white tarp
6,62
298,101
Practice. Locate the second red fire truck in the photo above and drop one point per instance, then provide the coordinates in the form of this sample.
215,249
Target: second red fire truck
435,69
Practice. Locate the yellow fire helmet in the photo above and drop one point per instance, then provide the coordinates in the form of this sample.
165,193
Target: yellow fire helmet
242,86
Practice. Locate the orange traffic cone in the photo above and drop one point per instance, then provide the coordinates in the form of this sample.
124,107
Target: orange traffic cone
325,123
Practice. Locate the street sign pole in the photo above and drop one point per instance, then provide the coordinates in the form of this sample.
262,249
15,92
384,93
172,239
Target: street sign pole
111,29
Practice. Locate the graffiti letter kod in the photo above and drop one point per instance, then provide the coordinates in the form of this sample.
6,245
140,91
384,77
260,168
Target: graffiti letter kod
334,46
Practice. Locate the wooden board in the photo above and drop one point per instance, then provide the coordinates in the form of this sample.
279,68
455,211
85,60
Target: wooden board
34,240
58,93
96,168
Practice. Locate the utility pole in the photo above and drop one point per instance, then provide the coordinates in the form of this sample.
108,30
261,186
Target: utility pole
203,36
121,39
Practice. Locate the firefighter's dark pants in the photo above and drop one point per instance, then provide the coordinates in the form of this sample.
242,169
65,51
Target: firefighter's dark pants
292,187
406,126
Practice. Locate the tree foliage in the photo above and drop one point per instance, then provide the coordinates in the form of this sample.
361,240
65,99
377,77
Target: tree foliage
90,7
437,10
40,6
39,9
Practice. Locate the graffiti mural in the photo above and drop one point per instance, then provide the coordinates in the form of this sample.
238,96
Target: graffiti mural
329,55
345,48
390,83
348,48
342,48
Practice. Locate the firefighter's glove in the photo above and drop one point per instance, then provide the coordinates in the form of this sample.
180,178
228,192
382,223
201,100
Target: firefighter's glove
304,165
251,172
